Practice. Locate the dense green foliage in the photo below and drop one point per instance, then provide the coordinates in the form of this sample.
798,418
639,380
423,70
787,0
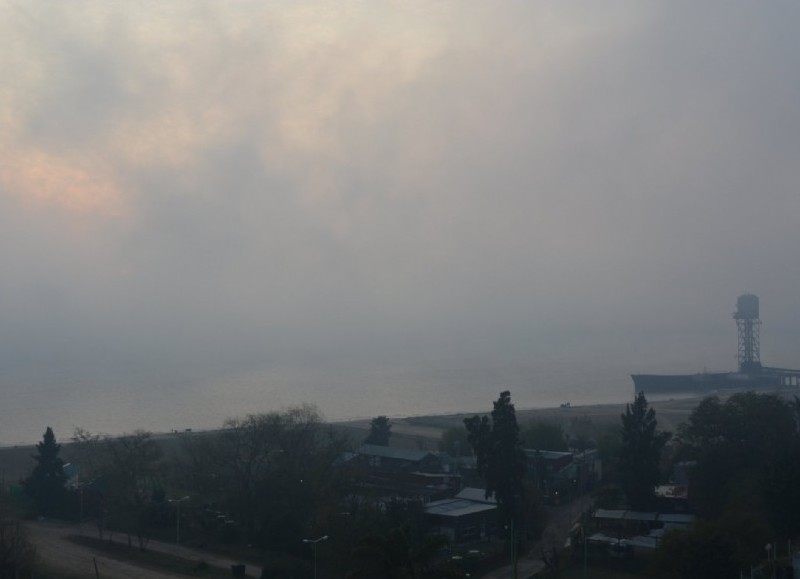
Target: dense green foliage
745,449
394,555
713,549
455,442
500,459
544,436
46,483
744,484
380,430
640,454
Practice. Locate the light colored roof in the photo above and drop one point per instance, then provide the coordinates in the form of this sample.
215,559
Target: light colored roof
477,495
645,542
601,538
457,508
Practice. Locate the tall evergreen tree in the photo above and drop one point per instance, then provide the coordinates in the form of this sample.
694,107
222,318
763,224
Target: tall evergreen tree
46,482
380,429
640,454
500,459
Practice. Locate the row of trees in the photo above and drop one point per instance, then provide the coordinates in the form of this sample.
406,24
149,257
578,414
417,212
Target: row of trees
272,473
744,484
272,480
745,474
743,460
266,481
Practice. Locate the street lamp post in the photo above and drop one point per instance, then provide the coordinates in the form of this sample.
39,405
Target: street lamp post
314,543
178,526
510,529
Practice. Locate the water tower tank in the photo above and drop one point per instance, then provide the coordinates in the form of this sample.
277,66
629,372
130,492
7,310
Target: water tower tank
746,307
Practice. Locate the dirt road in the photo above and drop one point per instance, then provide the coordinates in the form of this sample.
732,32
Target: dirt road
54,548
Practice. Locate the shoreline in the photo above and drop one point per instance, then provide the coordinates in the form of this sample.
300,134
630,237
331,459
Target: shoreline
424,431
670,413
602,411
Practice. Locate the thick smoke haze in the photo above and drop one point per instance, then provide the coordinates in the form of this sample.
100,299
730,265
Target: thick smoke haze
200,189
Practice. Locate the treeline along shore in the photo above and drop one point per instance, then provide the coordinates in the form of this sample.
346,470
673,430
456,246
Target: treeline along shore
263,487
410,432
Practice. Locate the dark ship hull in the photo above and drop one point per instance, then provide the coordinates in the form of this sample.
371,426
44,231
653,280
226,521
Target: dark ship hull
765,379
751,375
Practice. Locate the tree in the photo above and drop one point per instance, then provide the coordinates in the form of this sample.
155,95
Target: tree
581,433
395,555
380,429
133,479
544,436
780,482
745,451
270,473
640,454
46,483
702,552
454,441
17,554
500,459
129,471
710,549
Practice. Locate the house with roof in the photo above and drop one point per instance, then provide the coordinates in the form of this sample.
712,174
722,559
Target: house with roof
630,530
563,475
397,460
400,472
465,518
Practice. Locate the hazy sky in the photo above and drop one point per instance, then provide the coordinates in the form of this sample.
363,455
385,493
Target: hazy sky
207,184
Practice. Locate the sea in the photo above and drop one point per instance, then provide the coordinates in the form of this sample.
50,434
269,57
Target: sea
116,403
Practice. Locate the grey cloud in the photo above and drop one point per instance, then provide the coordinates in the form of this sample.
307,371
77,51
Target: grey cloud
511,190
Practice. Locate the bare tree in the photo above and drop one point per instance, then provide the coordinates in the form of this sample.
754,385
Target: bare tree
129,470
269,471
16,552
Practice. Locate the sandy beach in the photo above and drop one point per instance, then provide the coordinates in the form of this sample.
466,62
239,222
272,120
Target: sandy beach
425,431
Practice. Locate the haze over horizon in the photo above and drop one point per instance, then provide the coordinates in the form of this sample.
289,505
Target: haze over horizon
199,190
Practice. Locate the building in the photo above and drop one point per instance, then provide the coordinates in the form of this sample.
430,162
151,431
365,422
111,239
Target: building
468,517
382,471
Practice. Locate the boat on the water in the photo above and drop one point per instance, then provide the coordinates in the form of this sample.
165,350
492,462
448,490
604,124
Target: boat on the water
706,382
751,375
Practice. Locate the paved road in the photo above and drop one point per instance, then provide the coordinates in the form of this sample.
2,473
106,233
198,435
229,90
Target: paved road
553,536
54,547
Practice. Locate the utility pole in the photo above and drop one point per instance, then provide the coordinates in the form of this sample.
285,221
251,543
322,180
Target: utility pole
178,526
513,549
314,543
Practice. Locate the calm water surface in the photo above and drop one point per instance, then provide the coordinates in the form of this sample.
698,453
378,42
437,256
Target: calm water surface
118,404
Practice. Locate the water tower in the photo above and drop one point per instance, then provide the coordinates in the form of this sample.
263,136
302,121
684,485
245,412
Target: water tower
748,324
